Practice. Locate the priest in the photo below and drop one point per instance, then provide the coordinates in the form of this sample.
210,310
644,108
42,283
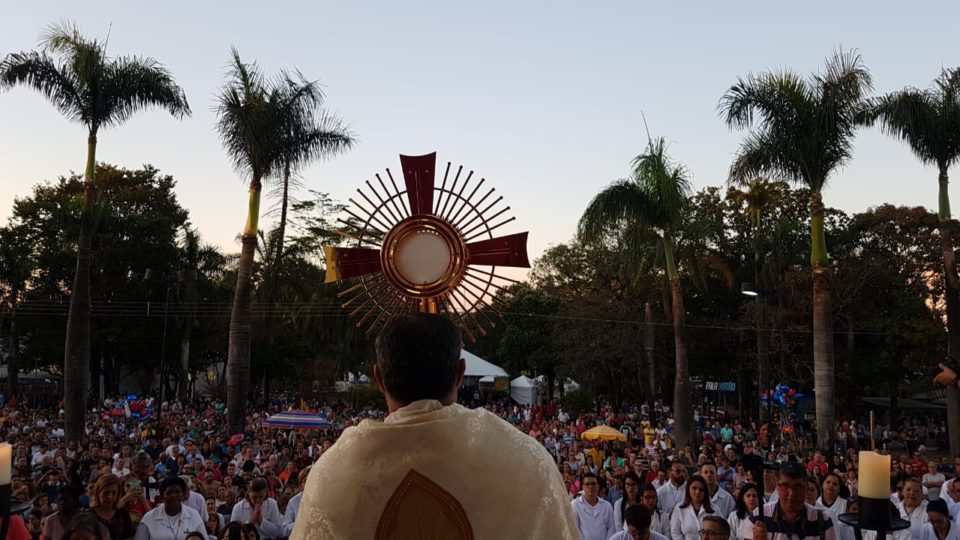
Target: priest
432,469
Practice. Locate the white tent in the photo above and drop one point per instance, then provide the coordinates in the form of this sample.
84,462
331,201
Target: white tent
478,367
523,390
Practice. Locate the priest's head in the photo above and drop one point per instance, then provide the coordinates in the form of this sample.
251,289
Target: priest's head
418,357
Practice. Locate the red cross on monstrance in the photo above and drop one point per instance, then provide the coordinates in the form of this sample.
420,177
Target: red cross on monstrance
427,248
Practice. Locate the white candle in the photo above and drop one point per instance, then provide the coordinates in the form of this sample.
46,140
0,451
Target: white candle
6,463
874,479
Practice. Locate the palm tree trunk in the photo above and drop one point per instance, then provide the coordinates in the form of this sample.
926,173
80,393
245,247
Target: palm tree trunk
952,286
649,346
13,367
76,357
823,367
238,350
282,226
683,413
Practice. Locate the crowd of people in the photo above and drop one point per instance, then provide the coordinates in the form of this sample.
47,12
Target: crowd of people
178,474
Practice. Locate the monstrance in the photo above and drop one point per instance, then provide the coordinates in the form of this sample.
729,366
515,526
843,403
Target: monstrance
427,248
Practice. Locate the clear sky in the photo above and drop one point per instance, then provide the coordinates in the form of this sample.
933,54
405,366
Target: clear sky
544,99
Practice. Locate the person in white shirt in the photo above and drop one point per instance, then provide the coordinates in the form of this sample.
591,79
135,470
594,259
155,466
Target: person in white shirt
940,526
951,494
721,501
748,500
195,500
594,516
685,520
631,497
914,507
172,520
293,505
830,498
932,482
260,511
659,523
638,525
670,494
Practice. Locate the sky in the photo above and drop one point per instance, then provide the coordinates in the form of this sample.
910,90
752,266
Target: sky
545,100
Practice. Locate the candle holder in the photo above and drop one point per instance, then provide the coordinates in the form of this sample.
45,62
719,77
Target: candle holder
873,515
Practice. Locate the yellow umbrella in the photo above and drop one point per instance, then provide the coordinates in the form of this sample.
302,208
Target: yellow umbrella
603,433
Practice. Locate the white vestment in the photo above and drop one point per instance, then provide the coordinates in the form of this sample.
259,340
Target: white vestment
506,482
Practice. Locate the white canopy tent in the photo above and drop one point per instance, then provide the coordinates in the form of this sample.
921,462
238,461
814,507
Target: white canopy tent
479,368
523,390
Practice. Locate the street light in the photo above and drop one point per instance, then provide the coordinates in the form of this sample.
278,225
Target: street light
748,289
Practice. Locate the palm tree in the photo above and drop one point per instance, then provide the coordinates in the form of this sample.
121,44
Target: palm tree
251,126
802,130
651,204
929,122
90,88
307,134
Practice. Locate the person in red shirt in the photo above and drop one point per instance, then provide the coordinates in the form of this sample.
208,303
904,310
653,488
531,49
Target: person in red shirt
818,466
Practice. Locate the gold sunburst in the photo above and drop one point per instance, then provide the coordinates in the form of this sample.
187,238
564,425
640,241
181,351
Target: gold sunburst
427,248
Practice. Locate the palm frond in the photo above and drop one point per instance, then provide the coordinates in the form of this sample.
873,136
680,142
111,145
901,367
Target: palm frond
131,84
928,121
620,203
40,72
247,119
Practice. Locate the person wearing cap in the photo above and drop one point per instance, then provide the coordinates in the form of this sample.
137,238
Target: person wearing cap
940,526
172,520
379,476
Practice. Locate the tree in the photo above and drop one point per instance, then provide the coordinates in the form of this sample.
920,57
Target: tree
802,130
249,126
651,204
16,264
929,122
90,88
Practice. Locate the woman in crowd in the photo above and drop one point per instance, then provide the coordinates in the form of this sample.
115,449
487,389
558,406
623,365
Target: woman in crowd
913,507
106,494
86,526
631,496
940,526
172,520
658,522
685,520
832,498
748,500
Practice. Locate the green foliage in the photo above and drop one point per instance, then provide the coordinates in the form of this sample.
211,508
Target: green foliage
360,396
578,401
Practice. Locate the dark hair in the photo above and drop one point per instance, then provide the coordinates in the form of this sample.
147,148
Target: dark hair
195,534
706,493
792,470
707,462
86,521
844,491
248,528
258,484
418,355
623,500
722,523
939,506
171,481
638,516
742,510
590,474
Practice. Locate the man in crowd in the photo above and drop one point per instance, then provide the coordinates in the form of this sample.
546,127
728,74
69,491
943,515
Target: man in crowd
789,518
594,515
721,501
671,494
415,456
